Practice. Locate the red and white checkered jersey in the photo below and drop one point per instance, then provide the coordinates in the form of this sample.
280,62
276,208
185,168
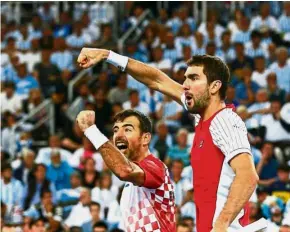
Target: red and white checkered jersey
149,207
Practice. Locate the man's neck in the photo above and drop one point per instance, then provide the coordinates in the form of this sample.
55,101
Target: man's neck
281,65
95,220
6,181
176,179
214,106
140,156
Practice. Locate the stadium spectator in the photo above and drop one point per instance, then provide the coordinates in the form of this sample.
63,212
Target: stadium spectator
181,150
61,56
274,91
90,176
246,90
120,93
105,193
59,171
9,100
170,112
284,19
267,166
264,18
282,69
95,214
12,191
37,185
80,213
24,82
275,132
44,153
72,194
24,172
47,74
180,184
260,72
50,213
135,103
255,47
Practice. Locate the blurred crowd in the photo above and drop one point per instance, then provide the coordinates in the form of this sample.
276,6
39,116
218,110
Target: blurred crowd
59,182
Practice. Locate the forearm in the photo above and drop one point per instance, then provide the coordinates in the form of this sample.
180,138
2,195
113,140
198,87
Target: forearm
115,160
240,192
267,182
251,95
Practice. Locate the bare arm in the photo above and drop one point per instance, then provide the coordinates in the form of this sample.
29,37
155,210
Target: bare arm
115,160
149,76
241,190
120,165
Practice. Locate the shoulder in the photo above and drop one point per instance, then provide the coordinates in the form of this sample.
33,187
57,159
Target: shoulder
151,163
227,119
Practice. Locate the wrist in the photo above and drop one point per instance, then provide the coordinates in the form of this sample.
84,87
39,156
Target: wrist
95,136
105,54
117,60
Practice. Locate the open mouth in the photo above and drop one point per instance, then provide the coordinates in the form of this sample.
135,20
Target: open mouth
122,146
188,99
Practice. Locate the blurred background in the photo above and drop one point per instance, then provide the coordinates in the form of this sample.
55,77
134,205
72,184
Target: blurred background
52,179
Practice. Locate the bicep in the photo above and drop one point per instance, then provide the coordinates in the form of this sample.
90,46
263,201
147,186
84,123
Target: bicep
243,163
137,176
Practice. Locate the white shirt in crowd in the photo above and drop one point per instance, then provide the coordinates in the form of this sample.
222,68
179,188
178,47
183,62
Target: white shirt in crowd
78,216
261,78
75,160
43,155
12,104
142,107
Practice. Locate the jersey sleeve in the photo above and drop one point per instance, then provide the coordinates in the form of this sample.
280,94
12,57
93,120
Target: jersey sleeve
229,134
154,173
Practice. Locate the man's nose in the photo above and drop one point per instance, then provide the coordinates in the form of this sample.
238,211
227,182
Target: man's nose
185,85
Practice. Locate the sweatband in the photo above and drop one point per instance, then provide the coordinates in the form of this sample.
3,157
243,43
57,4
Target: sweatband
95,136
117,60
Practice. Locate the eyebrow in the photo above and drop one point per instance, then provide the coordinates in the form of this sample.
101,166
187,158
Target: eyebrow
125,125
191,75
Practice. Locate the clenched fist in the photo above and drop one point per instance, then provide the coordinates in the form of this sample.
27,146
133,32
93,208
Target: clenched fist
85,119
91,56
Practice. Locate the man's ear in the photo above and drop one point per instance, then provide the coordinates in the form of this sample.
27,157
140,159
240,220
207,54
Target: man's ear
146,138
215,87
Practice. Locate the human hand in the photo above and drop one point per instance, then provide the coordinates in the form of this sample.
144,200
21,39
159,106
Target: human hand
85,119
91,56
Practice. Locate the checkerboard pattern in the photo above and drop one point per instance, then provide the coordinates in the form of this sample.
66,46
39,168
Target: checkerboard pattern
155,211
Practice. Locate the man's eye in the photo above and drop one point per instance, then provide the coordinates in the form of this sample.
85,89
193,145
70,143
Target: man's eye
128,130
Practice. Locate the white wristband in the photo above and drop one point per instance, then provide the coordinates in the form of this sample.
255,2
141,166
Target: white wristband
95,136
117,60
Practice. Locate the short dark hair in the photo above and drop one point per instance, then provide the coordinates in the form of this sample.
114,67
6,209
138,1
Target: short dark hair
176,161
214,69
9,84
94,203
284,168
255,34
182,225
133,91
6,166
45,191
187,218
145,122
101,224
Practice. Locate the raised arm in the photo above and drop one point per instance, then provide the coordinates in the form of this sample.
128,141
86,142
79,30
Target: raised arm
116,161
151,77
